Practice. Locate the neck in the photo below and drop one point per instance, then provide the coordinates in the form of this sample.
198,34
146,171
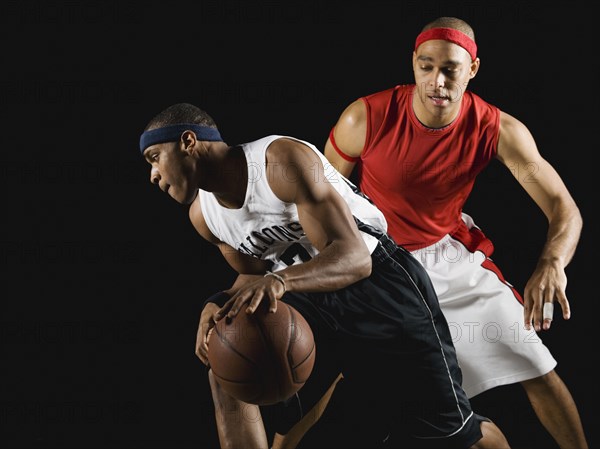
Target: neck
435,121
229,174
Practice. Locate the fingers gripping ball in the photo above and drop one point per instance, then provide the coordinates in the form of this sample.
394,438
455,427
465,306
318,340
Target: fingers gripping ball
262,358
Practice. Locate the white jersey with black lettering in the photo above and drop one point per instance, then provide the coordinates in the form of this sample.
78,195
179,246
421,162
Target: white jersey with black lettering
269,229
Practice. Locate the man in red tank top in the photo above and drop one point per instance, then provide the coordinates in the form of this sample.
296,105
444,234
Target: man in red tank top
418,149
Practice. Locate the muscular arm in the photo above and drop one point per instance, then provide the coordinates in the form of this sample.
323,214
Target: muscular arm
325,218
247,433
517,150
295,175
350,134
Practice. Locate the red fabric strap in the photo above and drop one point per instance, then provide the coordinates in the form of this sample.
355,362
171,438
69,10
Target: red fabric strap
335,147
450,35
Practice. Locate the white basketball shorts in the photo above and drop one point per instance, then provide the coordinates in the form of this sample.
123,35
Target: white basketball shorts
484,312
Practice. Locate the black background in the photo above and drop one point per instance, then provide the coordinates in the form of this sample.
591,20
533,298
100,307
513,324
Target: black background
103,274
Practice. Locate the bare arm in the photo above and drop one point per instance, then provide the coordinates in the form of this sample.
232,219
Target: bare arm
325,218
234,432
517,150
249,269
350,134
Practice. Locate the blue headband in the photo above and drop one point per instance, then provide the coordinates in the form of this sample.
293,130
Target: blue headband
172,133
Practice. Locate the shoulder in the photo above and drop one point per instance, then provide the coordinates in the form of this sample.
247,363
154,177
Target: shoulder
292,168
515,141
287,150
482,114
511,126
199,223
354,114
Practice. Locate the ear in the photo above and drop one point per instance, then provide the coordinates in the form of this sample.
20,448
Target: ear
188,141
474,68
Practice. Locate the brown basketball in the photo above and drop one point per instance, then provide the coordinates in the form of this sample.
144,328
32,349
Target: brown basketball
262,358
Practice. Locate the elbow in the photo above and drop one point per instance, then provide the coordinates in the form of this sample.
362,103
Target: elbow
578,219
575,219
368,267
363,264
566,214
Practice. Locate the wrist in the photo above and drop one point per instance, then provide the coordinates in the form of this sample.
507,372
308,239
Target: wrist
279,278
551,261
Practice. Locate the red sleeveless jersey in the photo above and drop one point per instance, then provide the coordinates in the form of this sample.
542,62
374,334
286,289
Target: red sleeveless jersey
420,177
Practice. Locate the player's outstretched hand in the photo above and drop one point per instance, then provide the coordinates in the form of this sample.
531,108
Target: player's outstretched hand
546,286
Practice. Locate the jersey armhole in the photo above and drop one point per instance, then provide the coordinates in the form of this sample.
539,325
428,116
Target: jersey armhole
339,151
213,235
497,128
367,144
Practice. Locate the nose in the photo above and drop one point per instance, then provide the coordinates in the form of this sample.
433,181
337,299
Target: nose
154,176
439,79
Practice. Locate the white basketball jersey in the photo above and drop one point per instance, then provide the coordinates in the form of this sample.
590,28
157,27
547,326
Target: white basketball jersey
269,229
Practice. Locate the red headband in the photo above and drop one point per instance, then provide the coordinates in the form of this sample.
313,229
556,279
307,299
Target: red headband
450,35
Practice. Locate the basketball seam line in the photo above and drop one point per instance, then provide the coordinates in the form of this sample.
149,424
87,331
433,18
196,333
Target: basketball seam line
234,350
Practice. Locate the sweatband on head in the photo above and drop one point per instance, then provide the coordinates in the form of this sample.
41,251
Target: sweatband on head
172,133
450,35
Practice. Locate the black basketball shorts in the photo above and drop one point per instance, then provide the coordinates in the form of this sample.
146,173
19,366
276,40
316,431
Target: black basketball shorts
389,338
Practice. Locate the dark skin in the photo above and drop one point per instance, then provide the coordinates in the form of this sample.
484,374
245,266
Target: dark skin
181,168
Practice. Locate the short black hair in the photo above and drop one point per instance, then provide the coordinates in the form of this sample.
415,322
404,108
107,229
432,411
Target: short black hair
181,113
451,22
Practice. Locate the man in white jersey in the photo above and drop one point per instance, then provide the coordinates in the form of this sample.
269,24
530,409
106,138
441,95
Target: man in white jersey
272,206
